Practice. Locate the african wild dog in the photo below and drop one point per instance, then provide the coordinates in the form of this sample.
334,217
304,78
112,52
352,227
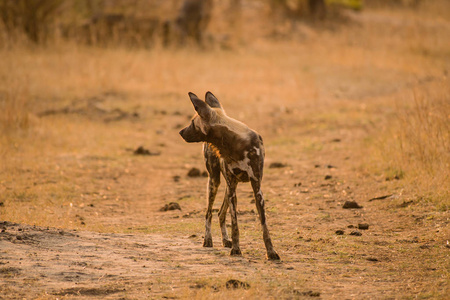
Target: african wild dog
236,151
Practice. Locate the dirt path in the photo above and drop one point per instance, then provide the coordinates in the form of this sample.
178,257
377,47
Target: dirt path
325,251
38,261
41,262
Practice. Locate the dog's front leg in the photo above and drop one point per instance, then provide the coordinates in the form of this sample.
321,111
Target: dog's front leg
213,185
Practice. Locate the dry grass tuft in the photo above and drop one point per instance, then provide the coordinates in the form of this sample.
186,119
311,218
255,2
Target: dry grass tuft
14,107
416,144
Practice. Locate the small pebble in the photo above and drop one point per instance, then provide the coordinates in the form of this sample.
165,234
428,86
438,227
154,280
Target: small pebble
351,204
356,233
363,226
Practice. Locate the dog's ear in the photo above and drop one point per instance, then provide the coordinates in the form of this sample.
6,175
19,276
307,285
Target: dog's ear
212,100
203,110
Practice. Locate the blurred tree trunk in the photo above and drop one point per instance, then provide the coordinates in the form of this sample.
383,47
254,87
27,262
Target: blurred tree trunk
33,17
317,8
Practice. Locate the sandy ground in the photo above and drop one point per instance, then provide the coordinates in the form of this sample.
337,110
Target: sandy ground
403,252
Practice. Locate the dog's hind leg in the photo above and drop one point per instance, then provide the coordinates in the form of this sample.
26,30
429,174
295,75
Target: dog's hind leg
232,202
222,217
213,167
259,199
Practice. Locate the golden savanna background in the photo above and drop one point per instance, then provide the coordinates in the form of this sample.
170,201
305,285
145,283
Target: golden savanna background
352,99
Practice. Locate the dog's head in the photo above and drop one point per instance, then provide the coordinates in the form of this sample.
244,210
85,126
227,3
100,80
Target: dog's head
202,122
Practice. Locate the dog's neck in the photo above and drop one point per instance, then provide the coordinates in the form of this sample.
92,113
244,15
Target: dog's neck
231,145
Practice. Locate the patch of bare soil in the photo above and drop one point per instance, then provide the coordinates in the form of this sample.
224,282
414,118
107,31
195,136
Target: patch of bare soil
97,108
327,250
37,261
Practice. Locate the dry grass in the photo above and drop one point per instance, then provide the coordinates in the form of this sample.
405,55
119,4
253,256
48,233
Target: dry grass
415,145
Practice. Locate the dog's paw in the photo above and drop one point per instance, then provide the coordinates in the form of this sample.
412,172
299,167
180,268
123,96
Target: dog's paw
208,243
227,243
235,252
273,256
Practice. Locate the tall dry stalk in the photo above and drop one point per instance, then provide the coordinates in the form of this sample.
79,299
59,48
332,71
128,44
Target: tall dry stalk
418,144
14,114
425,129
